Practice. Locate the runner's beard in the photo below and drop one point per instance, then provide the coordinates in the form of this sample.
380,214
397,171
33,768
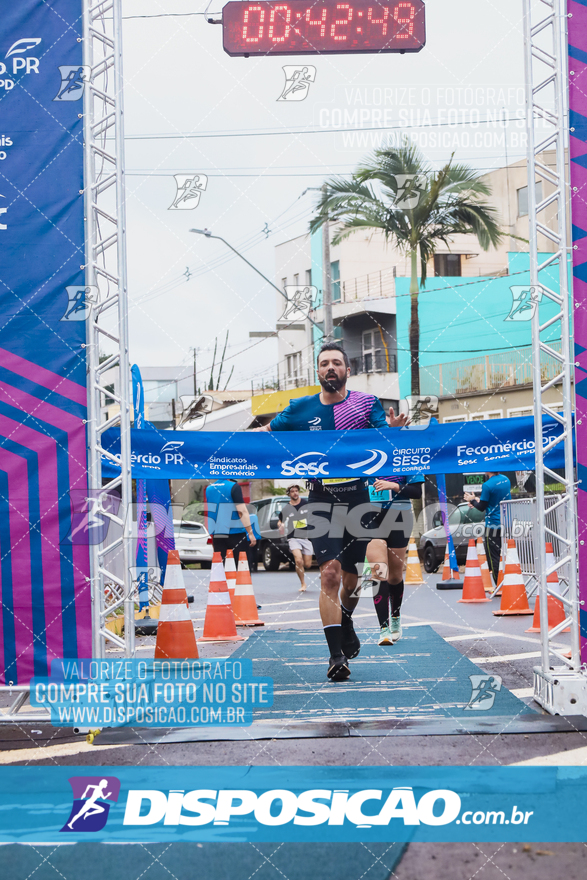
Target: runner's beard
332,383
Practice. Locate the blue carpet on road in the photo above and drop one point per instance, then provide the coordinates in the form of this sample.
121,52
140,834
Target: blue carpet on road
209,861
422,676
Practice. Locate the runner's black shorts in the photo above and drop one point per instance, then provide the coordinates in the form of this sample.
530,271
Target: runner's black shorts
392,525
348,536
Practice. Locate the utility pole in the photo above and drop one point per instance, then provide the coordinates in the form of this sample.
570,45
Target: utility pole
195,381
326,279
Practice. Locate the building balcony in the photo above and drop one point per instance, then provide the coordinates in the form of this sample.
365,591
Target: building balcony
378,362
487,372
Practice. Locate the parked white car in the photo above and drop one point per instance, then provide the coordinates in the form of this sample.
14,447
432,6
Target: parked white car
193,542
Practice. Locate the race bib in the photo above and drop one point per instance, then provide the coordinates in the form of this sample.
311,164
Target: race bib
336,481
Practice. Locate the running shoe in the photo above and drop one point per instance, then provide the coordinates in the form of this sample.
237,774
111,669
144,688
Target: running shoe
385,637
396,628
338,668
350,641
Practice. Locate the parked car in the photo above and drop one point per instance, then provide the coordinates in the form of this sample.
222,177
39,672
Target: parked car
272,548
465,522
193,542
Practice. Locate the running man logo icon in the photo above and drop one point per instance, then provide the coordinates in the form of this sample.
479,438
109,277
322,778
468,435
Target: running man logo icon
297,82
90,802
189,191
409,190
79,302
73,82
524,302
483,691
299,302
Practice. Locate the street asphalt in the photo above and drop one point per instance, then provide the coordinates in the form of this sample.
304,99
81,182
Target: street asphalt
497,645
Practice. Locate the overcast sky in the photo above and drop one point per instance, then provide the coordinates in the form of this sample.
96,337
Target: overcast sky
179,81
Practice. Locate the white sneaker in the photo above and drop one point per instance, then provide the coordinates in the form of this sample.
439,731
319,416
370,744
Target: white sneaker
395,627
385,637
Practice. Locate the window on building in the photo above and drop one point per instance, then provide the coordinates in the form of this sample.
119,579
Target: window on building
308,277
520,411
373,355
482,416
523,198
447,265
297,279
462,418
107,399
283,283
335,278
160,390
293,366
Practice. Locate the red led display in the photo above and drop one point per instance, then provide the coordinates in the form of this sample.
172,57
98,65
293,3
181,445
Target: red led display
323,27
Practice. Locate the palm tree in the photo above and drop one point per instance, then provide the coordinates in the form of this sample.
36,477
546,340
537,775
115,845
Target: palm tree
448,202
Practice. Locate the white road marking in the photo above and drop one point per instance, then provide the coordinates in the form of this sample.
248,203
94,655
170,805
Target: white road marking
573,758
46,753
530,655
522,693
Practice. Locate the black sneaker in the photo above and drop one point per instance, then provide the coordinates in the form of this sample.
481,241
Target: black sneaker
338,668
350,642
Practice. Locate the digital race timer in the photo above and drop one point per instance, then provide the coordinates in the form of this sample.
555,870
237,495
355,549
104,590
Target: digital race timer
323,27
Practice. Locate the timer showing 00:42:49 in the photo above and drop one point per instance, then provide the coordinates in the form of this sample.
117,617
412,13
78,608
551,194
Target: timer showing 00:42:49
324,27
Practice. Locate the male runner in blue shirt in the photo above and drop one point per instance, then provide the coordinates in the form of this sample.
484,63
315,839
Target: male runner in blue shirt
338,554
496,488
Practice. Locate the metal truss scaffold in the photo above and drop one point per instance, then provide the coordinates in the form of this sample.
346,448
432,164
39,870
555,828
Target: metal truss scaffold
107,338
560,684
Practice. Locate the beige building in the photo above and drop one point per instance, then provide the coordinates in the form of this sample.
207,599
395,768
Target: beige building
364,269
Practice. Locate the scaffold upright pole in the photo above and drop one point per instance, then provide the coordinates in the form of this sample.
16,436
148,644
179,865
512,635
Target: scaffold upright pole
107,338
560,685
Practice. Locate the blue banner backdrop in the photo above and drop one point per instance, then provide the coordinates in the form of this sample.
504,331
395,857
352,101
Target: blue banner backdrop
496,445
298,804
43,464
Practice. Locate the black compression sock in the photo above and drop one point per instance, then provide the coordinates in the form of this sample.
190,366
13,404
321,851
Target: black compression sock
396,593
381,602
347,616
333,636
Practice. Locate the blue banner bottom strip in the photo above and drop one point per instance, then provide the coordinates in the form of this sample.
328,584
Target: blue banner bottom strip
292,804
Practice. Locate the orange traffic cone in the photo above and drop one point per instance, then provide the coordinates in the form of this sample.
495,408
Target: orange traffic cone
513,592
244,604
485,573
230,573
219,624
501,572
175,632
413,573
556,609
473,590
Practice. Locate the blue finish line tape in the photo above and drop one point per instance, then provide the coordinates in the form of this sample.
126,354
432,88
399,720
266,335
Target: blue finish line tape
292,804
499,444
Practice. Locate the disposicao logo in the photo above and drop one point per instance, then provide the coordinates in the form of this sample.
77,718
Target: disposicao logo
366,808
297,467
279,807
91,796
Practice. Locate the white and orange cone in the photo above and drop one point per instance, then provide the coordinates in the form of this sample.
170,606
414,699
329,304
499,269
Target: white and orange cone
219,624
473,590
230,573
449,574
556,609
244,603
175,632
514,600
413,573
485,573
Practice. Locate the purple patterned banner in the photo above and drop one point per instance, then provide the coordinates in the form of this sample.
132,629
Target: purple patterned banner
44,572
